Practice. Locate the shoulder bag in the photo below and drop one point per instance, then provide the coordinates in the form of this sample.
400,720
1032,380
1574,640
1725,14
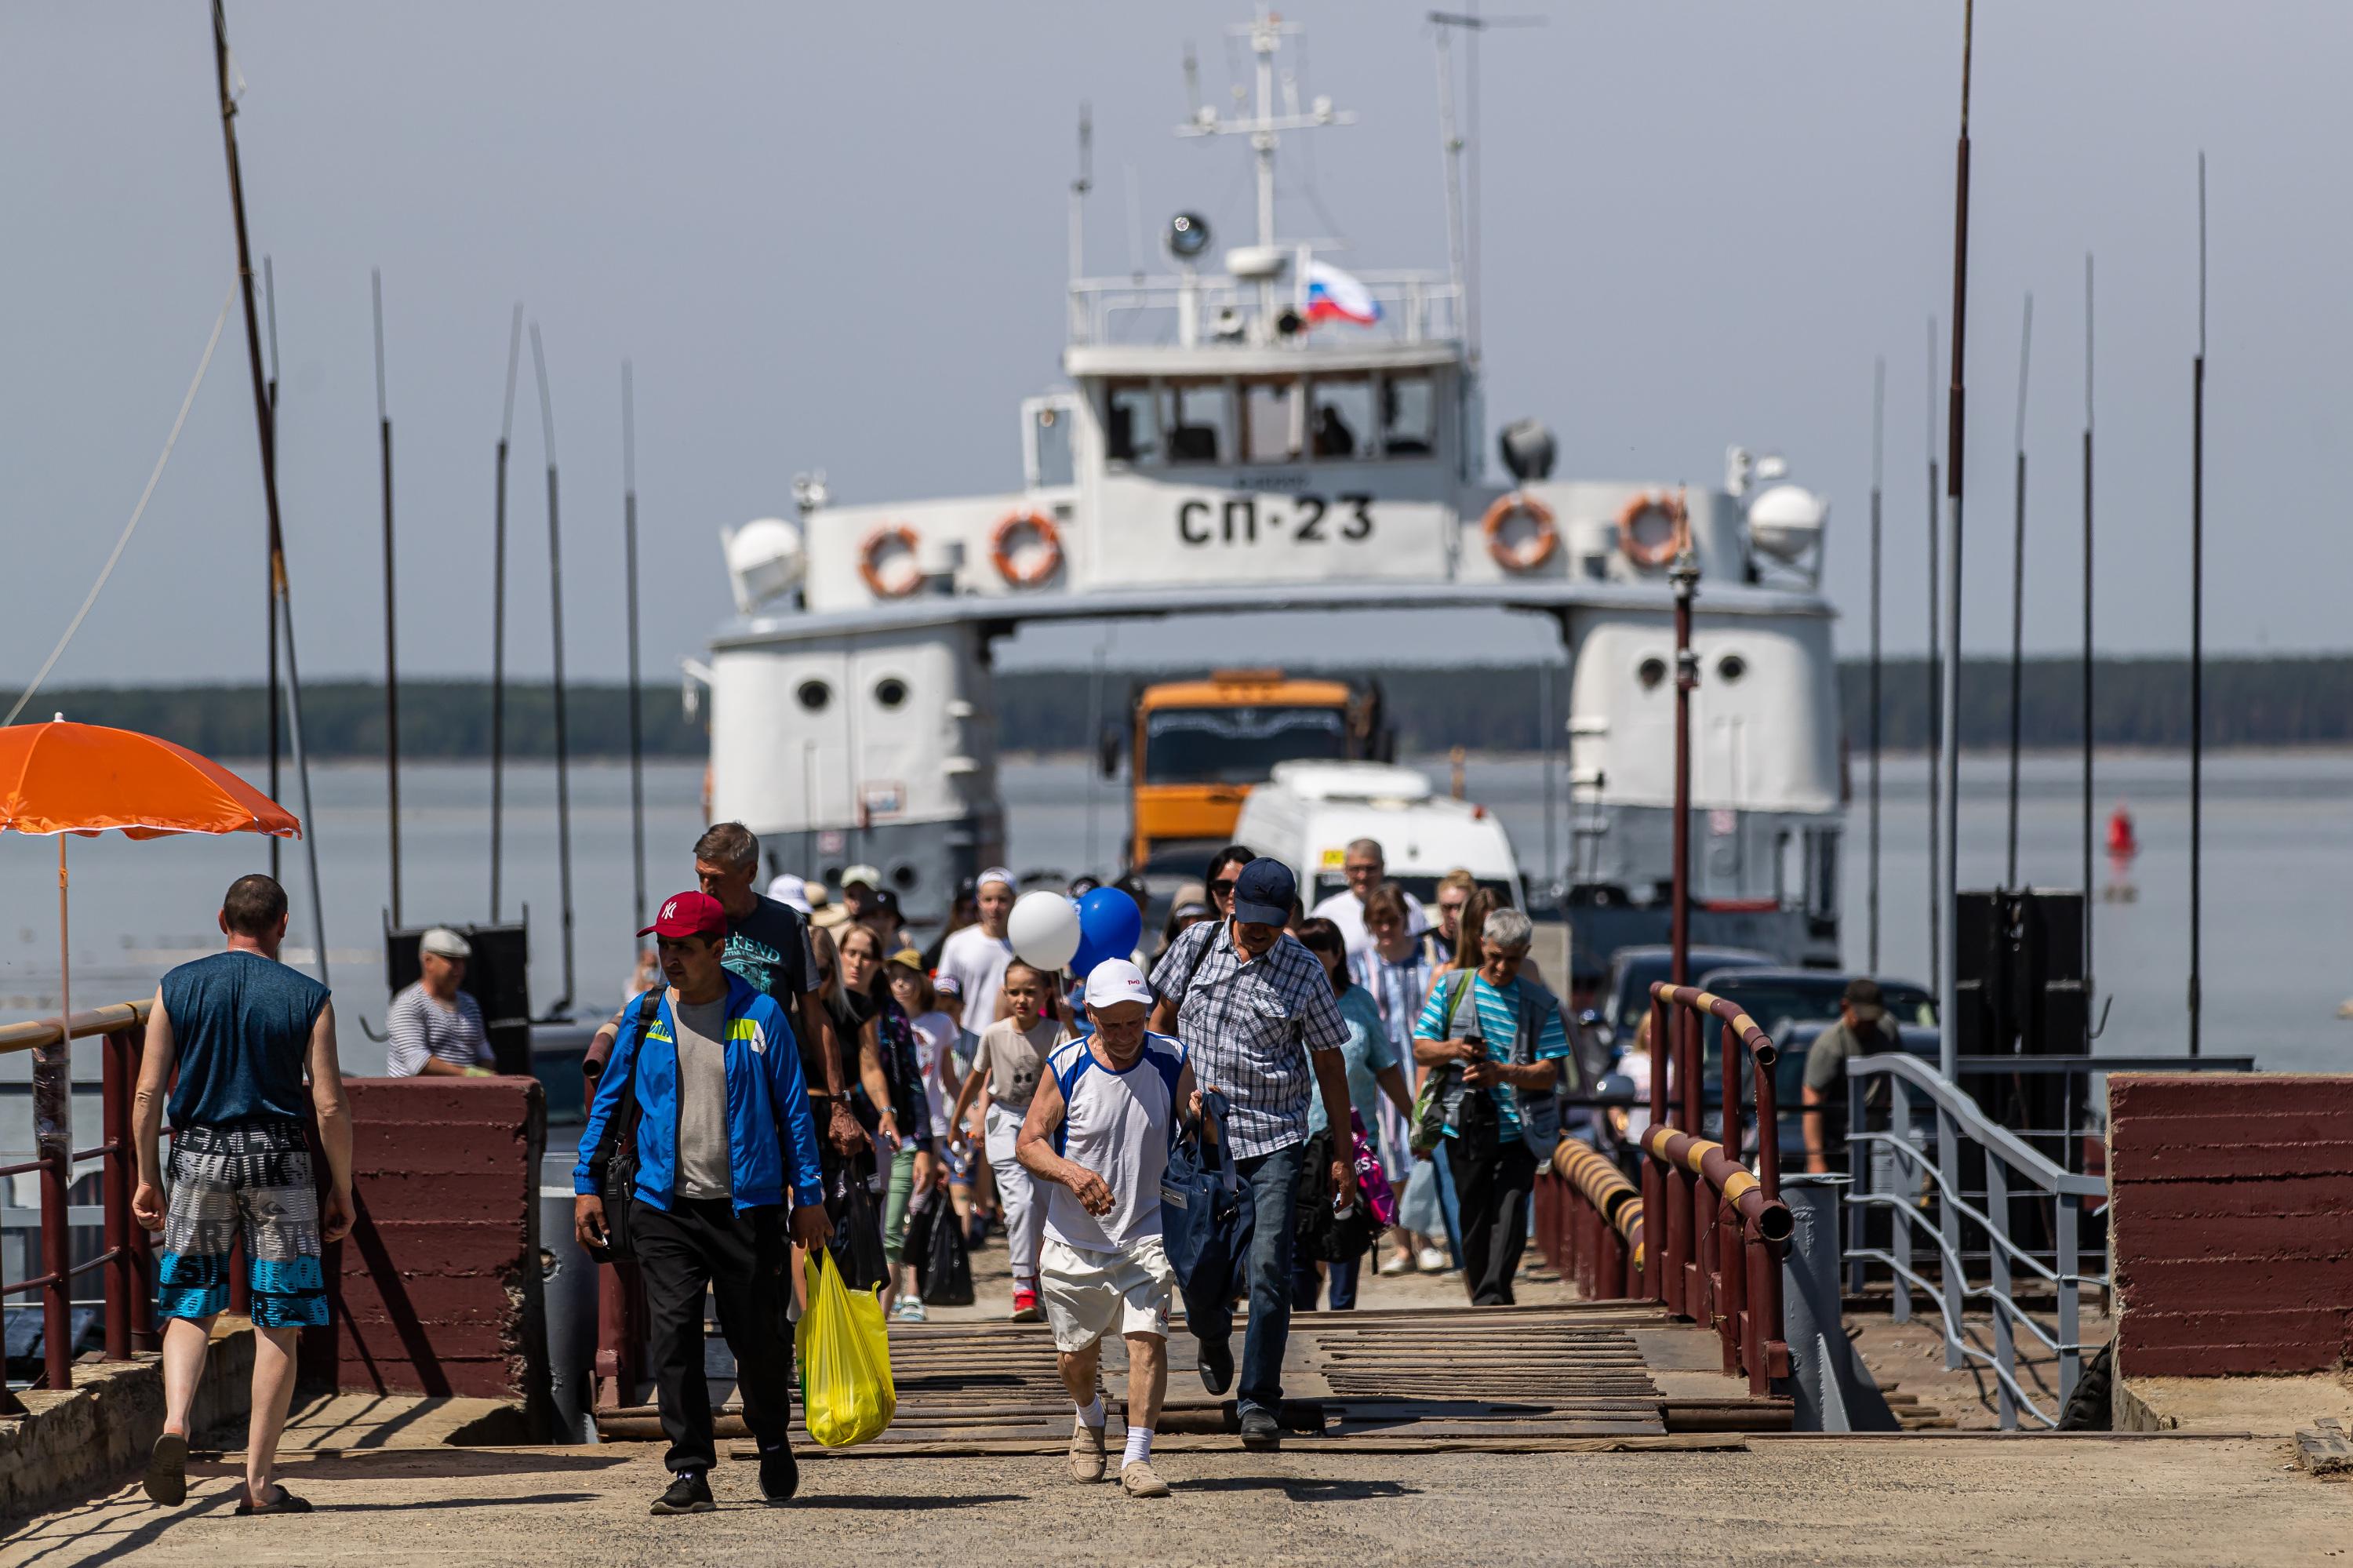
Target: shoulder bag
617,1153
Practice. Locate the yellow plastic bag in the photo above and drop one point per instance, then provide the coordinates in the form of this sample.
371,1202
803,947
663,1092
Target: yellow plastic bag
846,1390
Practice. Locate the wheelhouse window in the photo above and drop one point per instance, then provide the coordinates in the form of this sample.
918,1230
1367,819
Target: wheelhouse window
1271,421
1340,424
1199,422
1130,422
1409,417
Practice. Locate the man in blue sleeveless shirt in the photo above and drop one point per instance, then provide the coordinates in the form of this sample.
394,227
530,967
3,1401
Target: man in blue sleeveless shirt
240,1026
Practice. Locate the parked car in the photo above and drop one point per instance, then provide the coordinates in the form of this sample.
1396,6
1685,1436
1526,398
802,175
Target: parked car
1793,1007
1633,970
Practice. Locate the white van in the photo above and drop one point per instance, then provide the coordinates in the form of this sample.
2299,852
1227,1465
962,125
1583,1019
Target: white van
1307,815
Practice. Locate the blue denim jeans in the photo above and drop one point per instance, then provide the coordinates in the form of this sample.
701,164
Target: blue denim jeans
1274,1190
1307,1284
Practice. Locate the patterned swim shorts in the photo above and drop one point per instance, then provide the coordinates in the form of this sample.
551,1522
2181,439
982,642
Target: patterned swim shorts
252,1178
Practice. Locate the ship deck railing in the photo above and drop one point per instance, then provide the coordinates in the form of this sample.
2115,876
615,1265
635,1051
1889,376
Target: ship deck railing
1416,307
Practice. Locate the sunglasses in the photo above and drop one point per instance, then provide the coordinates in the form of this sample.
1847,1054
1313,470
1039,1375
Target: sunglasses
1221,887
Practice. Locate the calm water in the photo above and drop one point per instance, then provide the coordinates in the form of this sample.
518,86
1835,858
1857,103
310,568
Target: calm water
2278,882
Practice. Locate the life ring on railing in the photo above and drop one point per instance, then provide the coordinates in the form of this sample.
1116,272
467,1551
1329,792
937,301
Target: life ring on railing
1044,562
870,560
1530,552
1652,553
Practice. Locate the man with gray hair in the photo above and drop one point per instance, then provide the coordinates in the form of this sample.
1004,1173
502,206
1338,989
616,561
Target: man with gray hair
1365,868
1498,1038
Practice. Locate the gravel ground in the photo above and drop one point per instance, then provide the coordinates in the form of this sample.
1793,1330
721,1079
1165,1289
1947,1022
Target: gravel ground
1909,1501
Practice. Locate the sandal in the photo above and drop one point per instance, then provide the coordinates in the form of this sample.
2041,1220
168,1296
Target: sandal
167,1480
284,1502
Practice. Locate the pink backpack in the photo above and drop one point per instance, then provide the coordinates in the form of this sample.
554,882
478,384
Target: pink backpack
1372,1182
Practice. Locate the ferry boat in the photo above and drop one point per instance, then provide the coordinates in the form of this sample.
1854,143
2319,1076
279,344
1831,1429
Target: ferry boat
1257,429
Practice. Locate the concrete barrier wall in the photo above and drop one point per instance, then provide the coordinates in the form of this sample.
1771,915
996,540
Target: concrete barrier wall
2231,1223
438,1288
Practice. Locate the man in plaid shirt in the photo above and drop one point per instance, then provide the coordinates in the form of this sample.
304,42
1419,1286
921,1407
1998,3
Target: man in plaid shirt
1258,1021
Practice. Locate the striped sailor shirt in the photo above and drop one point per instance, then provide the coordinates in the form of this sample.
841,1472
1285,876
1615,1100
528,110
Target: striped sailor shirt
1250,1026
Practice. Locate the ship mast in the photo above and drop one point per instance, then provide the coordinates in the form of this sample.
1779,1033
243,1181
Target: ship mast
1264,127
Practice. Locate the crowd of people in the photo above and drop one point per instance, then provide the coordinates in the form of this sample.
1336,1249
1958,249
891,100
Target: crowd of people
794,1076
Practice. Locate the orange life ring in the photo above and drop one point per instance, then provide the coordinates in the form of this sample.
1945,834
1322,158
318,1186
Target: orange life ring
1659,554
870,555
1000,549
1531,553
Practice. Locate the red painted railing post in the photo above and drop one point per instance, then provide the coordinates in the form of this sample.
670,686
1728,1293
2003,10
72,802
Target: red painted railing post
1609,1264
1659,1230
116,1082
1691,1084
141,1262
57,1257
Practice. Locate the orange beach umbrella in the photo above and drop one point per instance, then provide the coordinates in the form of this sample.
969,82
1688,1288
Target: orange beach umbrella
66,778
62,779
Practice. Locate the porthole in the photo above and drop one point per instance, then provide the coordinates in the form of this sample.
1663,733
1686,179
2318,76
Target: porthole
890,692
1731,667
1650,672
814,695
902,878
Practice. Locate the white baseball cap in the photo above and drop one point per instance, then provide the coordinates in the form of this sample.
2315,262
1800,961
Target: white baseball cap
1116,980
790,890
996,873
446,943
861,875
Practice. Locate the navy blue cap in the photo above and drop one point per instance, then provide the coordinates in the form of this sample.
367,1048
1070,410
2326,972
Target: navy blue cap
1264,893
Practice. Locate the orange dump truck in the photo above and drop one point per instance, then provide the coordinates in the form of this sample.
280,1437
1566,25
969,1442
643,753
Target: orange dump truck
1196,746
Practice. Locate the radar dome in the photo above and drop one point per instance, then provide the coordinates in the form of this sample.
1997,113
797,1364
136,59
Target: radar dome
765,558
1786,520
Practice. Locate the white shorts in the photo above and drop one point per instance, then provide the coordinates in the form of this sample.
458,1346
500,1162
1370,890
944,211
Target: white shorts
1089,1294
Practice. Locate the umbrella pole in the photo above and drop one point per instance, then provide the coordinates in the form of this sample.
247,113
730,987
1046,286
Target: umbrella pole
53,1125
52,1065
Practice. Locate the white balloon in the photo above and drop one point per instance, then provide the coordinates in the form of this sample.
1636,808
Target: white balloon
1044,929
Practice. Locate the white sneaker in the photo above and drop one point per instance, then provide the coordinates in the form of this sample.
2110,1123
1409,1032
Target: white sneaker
1433,1260
1397,1263
910,1309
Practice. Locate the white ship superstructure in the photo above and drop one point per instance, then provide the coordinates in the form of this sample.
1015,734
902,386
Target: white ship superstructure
1235,436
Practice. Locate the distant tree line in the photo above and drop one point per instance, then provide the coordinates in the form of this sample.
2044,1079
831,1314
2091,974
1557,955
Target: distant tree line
2138,703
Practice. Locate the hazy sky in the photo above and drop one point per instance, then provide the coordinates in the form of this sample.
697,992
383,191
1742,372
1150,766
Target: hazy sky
834,236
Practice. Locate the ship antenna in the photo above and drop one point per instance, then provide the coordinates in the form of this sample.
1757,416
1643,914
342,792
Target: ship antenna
1079,188
1263,126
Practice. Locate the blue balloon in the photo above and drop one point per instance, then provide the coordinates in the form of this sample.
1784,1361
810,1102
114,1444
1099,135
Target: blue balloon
1110,925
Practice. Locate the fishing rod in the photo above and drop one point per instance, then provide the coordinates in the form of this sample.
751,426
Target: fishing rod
2018,595
498,622
1878,442
391,635
269,575
629,550
1948,758
2198,614
562,1007
1935,665
266,426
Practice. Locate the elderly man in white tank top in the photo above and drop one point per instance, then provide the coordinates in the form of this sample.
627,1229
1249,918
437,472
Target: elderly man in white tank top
1097,1136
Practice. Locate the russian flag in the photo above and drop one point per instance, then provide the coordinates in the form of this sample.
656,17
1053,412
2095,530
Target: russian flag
1335,295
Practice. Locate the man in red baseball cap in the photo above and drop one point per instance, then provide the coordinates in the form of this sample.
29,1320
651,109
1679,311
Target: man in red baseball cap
709,1071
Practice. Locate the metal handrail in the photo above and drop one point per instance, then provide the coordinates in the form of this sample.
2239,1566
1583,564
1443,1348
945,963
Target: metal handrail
126,1259
1722,1259
2008,1158
35,1033
1950,1097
